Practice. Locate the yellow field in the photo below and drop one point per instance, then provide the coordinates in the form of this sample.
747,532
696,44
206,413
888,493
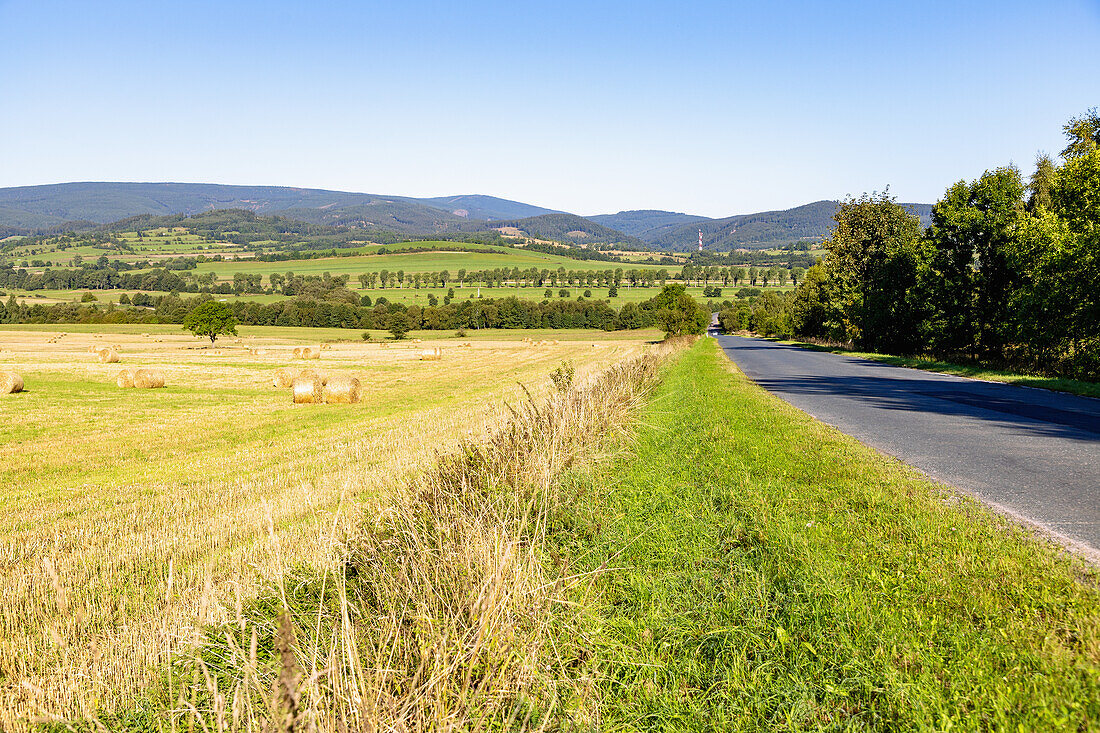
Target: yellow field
130,517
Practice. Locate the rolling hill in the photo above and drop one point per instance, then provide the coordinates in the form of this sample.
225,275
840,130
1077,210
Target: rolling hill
40,207
637,222
755,231
28,209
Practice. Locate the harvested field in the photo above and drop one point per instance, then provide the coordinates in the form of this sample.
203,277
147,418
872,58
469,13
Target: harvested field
184,500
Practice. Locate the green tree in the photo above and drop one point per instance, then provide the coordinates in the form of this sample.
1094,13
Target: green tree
1083,134
811,310
1041,183
873,257
211,319
676,312
399,325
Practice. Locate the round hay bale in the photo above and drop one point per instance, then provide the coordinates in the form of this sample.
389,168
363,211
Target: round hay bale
92,348
311,352
298,352
308,391
108,356
342,391
325,346
285,377
257,352
314,374
10,383
125,378
433,354
148,378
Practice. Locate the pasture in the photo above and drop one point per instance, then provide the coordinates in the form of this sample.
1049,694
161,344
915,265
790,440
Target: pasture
132,517
407,295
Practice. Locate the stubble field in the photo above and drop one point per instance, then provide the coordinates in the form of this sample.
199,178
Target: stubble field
129,518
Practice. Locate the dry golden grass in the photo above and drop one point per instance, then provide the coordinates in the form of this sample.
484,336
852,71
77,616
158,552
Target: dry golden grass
129,518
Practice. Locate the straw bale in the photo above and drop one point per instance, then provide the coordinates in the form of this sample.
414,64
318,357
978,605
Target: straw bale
342,390
308,391
10,382
314,374
108,356
433,354
285,377
125,378
148,378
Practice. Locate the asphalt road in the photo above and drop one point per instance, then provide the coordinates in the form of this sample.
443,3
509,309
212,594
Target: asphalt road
1031,452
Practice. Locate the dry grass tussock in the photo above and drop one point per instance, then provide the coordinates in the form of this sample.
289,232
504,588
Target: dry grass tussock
118,544
445,614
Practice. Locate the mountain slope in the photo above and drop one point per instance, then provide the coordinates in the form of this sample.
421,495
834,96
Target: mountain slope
568,228
38,207
756,231
638,222
489,208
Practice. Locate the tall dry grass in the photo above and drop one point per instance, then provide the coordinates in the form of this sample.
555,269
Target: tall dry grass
446,613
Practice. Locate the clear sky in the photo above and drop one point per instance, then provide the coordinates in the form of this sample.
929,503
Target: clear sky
707,107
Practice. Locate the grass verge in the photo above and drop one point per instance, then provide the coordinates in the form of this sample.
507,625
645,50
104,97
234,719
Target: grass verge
768,572
973,371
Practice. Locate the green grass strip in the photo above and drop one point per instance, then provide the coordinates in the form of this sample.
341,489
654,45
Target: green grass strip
765,572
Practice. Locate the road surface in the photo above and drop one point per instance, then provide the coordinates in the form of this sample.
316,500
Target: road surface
1031,452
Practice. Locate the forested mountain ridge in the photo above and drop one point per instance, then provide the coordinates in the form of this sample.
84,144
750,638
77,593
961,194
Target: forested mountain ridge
81,206
568,228
489,208
41,207
757,231
639,221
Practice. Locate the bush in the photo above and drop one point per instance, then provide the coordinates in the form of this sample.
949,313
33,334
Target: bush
87,298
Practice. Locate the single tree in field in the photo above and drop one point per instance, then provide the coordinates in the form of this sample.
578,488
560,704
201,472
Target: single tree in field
211,319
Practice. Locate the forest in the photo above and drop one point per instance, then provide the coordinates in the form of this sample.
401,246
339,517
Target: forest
1007,273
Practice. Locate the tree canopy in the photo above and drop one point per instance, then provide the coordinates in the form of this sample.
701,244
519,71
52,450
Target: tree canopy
211,319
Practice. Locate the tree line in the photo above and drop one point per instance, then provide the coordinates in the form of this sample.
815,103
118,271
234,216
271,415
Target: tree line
672,309
1007,274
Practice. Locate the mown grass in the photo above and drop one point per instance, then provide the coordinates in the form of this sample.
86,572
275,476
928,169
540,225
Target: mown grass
765,572
974,371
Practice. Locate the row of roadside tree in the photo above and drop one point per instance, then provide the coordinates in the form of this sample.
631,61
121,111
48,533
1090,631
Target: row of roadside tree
1008,273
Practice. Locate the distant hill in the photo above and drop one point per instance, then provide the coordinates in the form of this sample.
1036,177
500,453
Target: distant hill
568,228
488,208
636,223
69,206
42,207
756,231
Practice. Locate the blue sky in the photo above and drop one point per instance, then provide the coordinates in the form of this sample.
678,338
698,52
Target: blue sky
713,108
